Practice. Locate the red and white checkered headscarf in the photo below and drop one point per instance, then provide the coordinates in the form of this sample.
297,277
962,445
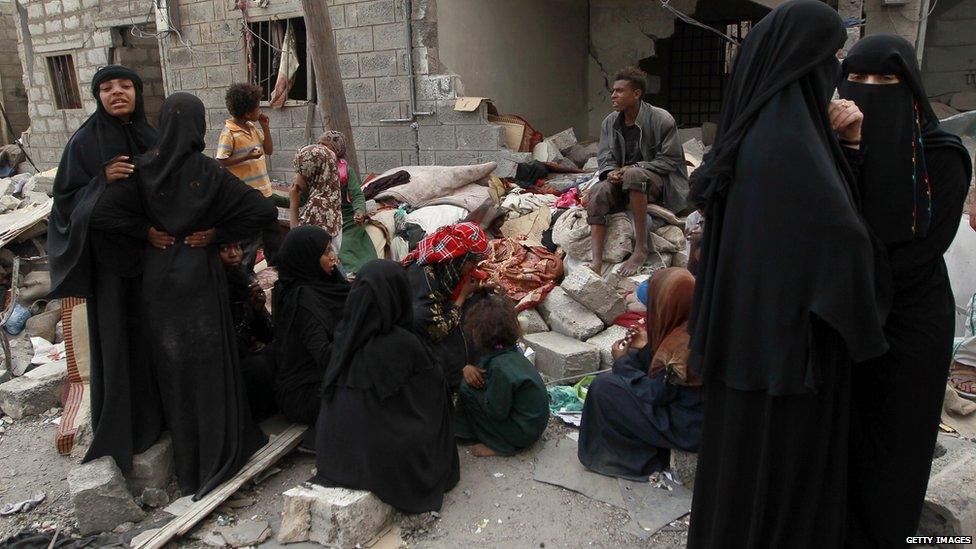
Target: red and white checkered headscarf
450,242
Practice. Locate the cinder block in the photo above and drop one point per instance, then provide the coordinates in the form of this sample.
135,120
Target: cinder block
366,138
381,161
153,468
568,317
353,40
559,356
563,140
359,90
334,517
394,88
604,342
397,138
35,392
349,65
594,293
532,322
437,138
479,138
383,63
101,501
370,114
375,13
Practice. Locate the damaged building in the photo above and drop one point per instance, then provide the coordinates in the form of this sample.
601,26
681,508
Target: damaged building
404,62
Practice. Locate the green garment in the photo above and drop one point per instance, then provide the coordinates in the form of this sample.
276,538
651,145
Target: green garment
511,412
357,246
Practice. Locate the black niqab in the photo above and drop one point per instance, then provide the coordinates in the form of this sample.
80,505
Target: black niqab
80,182
900,131
783,241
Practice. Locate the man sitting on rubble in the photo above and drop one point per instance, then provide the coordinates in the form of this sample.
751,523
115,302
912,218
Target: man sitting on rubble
641,162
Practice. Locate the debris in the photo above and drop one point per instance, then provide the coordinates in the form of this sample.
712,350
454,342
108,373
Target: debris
154,497
963,101
532,322
559,356
35,391
684,465
332,516
498,475
153,468
568,317
481,526
604,342
23,506
101,500
563,140
594,293
266,474
245,533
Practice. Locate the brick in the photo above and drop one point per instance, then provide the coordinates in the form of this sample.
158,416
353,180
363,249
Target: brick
353,40
389,37
604,342
381,161
397,138
435,87
372,113
359,90
383,63
444,113
334,517
375,13
202,12
568,317
484,137
153,468
465,158
349,65
38,390
99,496
532,322
594,293
366,138
558,356
440,138
219,77
395,88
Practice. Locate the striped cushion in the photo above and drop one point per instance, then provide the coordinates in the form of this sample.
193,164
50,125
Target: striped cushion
77,406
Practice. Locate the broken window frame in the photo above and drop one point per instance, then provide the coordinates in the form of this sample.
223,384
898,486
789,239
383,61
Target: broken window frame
64,81
263,49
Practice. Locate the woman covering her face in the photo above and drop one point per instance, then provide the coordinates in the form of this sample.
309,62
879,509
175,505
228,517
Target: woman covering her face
912,180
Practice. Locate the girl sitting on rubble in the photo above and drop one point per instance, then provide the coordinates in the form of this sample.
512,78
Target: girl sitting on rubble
308,301
502,405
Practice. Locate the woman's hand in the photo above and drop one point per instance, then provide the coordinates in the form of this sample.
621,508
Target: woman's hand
159,239
258,297
359,218
200,239
846,119
119,168
621,347
474,376
638,337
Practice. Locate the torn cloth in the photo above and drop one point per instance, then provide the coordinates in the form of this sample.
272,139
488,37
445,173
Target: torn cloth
527,273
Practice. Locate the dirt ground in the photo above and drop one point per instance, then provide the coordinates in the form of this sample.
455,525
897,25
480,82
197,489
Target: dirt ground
497,503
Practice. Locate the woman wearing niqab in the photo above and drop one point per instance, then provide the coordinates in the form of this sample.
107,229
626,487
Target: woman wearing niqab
785,295
99,258
187,309
912,179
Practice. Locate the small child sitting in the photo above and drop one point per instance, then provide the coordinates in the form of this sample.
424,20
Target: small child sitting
502,405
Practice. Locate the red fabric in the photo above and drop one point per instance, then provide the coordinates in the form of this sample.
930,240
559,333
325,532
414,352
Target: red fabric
526,273
569,199
631,319
449,242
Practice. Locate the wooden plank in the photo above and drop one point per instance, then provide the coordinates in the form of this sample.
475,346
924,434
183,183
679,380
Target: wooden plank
261,460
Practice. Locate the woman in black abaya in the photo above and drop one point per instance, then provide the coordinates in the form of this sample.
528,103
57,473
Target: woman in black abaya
385,424
99,258
308,301
785,297
187,310
912,182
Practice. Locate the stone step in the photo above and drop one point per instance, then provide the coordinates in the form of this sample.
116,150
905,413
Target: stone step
334,517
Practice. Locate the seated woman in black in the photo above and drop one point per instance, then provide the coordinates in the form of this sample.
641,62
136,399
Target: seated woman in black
385,424
254,331
308,300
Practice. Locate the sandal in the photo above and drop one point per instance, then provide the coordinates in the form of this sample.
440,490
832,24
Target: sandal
962,378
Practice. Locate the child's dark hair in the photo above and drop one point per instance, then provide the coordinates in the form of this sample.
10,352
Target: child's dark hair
636,77
491,320
243,98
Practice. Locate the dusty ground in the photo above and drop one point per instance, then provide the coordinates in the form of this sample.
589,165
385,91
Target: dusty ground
519,511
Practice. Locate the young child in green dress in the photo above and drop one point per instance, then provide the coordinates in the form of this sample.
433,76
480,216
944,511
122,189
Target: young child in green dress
502,405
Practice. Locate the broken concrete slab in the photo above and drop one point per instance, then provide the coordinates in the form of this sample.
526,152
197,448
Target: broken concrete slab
595,293
592,165
581,153
569,317
153,468
559,356
950,501
604,342
532,322
100,498
246,533
563,140
335,517
35,392
684,465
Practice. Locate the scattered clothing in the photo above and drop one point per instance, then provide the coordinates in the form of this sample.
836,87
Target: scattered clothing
386,411
526,273
511,412
380,184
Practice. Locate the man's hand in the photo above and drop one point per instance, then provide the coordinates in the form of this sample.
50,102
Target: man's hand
200,239
119,168
264,121
359,218
474,376
846,119
159,239
258,298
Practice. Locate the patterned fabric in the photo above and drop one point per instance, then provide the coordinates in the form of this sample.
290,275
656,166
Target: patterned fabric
77,404
450,242
317,164
236,141
336,141
526,273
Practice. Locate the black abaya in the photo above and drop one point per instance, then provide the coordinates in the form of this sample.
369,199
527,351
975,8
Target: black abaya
914,202
97,255
385,423
187,308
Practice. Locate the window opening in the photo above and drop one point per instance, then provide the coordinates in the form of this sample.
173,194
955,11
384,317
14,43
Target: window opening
64,80
276,42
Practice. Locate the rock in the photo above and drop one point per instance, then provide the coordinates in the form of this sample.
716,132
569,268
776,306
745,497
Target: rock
963,101
684,465
5,375
532,322
604,342
44,182
950,501
123,528
568,317
581,153
680,259
592,165
101,500
943,111
8,203
594,293
546,151
154,497
563,140
35,391
559,356
245,533
5,185
334,517
154,467
668,239
44,325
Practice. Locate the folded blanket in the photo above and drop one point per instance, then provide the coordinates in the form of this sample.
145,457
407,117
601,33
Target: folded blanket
429,183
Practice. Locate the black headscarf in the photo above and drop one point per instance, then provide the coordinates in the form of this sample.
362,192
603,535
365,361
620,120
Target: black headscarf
782,240
80,182
301,281
900,130
375,347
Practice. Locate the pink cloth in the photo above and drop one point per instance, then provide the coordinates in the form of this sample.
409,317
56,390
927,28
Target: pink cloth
569,199
343,171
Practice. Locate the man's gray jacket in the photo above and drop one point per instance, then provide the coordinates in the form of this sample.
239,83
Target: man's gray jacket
660,149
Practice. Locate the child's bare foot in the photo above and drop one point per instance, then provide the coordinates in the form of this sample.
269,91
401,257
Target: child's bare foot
482,451
633,264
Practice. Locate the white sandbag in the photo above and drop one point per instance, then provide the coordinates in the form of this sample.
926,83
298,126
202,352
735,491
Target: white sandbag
429,183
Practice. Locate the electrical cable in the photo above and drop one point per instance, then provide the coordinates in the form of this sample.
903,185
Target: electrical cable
666,4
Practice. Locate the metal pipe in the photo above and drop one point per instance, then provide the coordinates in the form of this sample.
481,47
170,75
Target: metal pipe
410,74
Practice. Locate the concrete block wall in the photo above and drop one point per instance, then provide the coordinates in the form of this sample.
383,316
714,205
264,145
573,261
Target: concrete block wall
14,96
949,58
